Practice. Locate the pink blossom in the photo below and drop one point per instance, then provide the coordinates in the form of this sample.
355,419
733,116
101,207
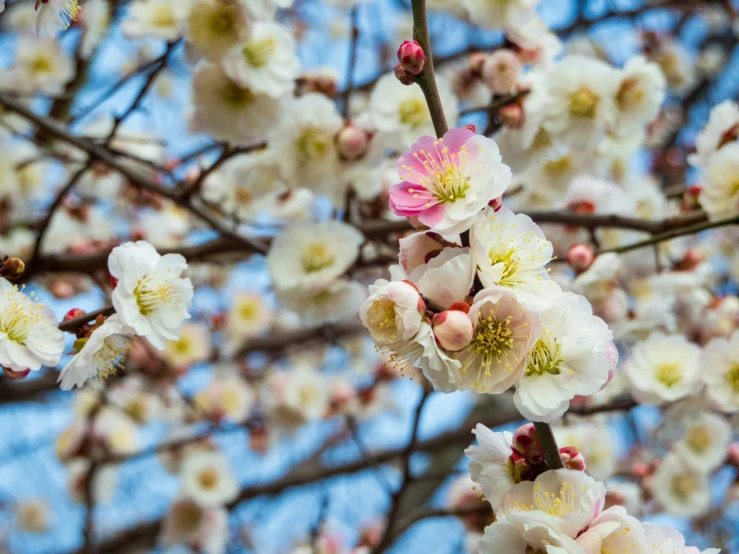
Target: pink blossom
448,181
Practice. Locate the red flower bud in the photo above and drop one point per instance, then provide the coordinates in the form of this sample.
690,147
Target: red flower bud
411,57
580,257
403,76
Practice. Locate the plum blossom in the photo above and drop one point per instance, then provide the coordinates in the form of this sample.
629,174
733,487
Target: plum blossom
664,368
311,255
29,337
719,194
101,356
511,251
720,372
571,358
504,332
207,479
447,181
151,296
393,312
446,278
722,129
490,464
572,498
55,15
680,488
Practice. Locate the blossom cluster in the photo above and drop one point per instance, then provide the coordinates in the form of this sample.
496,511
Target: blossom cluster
555,510
486,315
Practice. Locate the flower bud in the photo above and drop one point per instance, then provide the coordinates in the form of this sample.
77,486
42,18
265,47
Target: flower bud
496,203
16,375
403,76
572,458
460,306
61,289
526,444
452,329
580,257
13,268
73,314
511,115
352,142
690,198
500,71
411,57
471,127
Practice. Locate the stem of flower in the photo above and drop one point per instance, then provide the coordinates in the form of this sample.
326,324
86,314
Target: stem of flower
426,79
549,445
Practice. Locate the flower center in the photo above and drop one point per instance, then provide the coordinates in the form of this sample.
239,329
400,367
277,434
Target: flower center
669,374
558,167
583,103
316,257
154,293
221,22
258,52
698,439
509,259
19,315
413,112
629,95
162,16
312,144
544,358
231,401
189,516
491,342
208,478
383,314
41,64
683,486
541,140
247,311
112,355
136,409
181,345
557,505
235,96
732,377
451,185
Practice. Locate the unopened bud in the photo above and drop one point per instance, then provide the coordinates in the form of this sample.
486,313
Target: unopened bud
690,198
511,115
580,257
74,313
352,142
572,458
13,268
496,203
471,127
16,375
61,289
500,71
453,330
411,57
403,76
526,444
733,454
460,306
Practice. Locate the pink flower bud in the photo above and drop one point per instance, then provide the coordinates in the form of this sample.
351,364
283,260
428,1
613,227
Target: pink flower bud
73,313
496,203
411,57
460,306
690,198
403,76
526,444
471,127
733,454
572,458
512,116
16,375
580,257
452,329
500,71
352,142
